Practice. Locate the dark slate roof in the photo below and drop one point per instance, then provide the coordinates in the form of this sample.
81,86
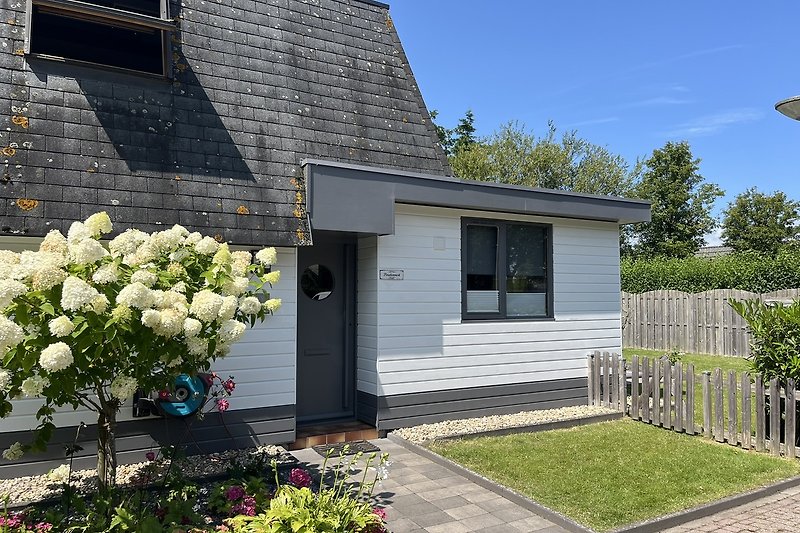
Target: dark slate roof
259,85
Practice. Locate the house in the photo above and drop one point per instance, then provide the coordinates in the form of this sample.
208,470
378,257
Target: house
409,296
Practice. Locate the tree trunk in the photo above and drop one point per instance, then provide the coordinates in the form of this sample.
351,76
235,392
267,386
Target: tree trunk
106,448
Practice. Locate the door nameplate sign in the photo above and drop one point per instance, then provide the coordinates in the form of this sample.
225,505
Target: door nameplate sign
392,274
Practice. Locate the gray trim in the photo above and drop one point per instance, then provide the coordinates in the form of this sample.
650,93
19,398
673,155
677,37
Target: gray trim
334,190
427,407
367,408
247,427
509,494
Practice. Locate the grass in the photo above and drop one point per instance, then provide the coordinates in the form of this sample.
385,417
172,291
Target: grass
615,473
703,362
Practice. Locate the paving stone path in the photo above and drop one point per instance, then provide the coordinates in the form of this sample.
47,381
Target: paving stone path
774,514
422,496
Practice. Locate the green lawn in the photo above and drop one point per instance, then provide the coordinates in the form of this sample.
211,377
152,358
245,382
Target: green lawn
701,363
615,473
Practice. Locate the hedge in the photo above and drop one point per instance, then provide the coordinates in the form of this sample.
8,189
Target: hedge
745,271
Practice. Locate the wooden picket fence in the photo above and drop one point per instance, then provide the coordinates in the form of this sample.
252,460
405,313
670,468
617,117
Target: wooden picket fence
656,392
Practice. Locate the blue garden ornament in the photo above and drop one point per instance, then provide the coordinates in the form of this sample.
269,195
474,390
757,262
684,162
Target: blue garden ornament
187,397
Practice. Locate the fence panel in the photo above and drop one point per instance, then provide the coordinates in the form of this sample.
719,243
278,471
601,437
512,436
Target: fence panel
697,323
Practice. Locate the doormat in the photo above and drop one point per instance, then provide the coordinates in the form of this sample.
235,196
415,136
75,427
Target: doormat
338,448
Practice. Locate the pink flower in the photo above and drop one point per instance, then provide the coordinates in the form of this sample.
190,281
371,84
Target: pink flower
380,513
246,507
43,526
163,394
222,405
150,456
229,385
234,492
299,478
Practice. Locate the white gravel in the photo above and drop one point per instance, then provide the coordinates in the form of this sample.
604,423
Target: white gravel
31,489
470,426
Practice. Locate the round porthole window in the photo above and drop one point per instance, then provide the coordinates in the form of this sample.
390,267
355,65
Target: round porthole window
317,282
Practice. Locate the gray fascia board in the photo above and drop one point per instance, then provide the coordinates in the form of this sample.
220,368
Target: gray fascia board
346,197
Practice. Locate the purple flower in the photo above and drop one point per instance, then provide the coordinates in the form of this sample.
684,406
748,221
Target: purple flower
299,478
222,405
380,513
246,507
150,456
234,493
229,385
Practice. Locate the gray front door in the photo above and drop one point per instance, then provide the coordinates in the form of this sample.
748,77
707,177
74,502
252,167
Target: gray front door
325,318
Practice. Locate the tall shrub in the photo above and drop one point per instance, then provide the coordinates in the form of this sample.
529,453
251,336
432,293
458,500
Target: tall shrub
85,324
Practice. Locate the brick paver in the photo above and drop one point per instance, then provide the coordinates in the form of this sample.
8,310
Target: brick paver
422,496
774,514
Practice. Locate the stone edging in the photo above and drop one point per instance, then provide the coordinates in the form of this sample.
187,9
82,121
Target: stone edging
649,526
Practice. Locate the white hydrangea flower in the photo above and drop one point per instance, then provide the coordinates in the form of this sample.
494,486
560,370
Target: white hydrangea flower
61,326
106,274
171,298
54,242
10,289
179,287
59,474
205,305
78,232
171,322
167,240
192,327
231,331
249,305
123,387
267,256
122,313
55,357
179,255
273,304
47,277
197,346
99,223
86,252
8,262
127,242
240,260
175,362
236,286
33,386
176,269
11,334
228,308
76,293
194,238
222,256
14,452
5,379
100,304
148,279
135,295
180,230
222,350
272,277
151,318
145,253
207,246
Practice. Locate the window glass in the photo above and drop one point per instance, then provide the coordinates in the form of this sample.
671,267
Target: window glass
134,47
482,295
526,270
317,282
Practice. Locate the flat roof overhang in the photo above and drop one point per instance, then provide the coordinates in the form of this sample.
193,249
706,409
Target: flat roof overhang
361,199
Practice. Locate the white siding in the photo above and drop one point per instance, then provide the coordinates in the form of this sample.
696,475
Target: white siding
262,363
367,316
423,345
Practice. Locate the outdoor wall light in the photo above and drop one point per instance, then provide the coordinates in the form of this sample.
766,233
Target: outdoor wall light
790,107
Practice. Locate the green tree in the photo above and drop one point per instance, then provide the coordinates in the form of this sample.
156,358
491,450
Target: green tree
517,156
681,203
454,140
760,222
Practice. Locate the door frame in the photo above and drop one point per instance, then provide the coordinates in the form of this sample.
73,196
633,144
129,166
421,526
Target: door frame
349,244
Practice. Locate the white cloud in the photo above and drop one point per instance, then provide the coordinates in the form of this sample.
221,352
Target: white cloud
711,124
714,238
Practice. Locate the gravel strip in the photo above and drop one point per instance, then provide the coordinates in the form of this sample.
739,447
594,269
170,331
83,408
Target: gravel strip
31,489
469,426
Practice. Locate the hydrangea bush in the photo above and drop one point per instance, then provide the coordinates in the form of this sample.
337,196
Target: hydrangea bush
87,324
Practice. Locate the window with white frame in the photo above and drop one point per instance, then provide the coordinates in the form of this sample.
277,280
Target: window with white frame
506,272
125,34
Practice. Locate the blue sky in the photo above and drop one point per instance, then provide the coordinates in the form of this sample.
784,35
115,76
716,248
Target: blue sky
624,74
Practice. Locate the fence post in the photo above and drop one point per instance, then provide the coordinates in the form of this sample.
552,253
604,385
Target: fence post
623,387
690,399
761,423
774,417
747,440
596,369
719,409
678,396
791,418
590,378
657,391
668,389
606,380
733,426
615,381
646,389
707,404
635,387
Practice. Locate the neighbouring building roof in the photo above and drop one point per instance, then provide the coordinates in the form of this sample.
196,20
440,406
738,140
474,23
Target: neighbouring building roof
258,86
713,251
